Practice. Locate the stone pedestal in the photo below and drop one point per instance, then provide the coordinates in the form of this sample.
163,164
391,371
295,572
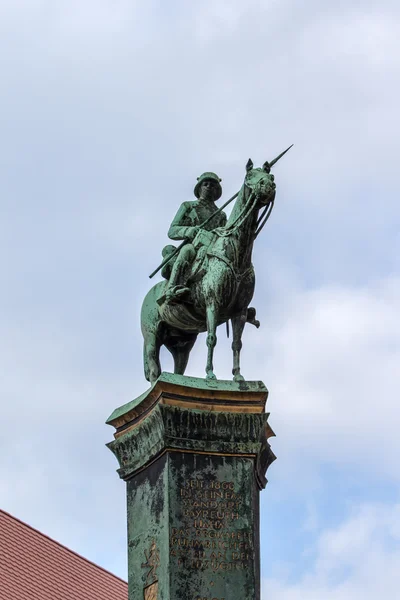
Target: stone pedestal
194,454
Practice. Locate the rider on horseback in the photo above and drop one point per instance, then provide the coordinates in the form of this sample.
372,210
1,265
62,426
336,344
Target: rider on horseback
186,226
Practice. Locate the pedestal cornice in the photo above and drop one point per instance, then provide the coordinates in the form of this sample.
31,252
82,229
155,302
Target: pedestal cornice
190,415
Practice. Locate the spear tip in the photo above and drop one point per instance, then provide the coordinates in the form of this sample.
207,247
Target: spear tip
272,162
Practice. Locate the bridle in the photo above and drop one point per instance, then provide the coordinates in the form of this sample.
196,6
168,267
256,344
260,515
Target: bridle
248,208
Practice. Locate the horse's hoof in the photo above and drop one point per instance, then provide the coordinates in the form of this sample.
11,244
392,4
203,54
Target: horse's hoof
238,377
210,375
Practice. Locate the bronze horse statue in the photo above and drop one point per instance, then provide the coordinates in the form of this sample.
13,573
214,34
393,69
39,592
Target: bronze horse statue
221,286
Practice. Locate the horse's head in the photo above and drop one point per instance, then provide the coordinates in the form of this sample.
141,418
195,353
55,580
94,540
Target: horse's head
261,182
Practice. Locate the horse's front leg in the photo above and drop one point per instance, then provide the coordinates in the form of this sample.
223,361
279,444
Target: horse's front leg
238,324
212,318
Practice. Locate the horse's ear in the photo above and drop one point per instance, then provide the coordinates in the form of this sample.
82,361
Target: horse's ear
249,165
267,167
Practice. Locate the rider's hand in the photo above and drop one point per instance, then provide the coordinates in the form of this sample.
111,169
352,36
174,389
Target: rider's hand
192,232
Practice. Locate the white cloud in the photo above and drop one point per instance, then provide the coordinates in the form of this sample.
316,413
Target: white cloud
357,560
109,112
331,361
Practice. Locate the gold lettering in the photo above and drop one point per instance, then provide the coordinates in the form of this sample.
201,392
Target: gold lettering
209,513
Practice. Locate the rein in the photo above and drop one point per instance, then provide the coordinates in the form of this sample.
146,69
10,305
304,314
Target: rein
265,215
240,219
245,213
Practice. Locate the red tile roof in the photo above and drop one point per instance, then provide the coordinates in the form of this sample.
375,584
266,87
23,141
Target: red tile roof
35,567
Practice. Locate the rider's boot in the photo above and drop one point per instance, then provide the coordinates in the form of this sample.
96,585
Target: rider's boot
177,287
176,293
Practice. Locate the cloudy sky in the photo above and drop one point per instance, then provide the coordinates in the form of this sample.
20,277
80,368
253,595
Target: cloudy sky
109,110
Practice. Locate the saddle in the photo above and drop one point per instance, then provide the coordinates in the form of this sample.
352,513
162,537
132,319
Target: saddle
202,243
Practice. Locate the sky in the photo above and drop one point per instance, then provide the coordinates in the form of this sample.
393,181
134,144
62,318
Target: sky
109,111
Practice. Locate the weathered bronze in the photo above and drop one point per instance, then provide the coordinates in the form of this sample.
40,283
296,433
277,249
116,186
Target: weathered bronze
209,279
172,253
194,452
194,455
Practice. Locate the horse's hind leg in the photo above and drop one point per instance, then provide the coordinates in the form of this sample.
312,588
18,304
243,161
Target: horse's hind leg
151,358
238,324
180,353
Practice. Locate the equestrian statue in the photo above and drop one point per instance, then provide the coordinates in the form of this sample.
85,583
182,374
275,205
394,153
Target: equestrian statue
209,278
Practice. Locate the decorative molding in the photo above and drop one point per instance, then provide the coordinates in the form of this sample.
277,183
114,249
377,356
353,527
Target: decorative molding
140,445
170,428
192,392
265,458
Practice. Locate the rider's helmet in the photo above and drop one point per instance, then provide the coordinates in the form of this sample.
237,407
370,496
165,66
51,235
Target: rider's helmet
204,177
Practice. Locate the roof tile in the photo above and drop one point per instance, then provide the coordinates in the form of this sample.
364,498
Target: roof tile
35,567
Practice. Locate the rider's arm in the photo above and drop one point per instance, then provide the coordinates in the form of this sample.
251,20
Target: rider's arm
222,219
180,227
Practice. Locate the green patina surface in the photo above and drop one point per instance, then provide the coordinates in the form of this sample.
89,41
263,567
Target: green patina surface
194,383
191,430
121,410
148,523
213,384
200,514
193,482
209,277
213,537
194,474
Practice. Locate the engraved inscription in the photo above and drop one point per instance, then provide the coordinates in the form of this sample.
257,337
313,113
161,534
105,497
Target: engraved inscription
211,537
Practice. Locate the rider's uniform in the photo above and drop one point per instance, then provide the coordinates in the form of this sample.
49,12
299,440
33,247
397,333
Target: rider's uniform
192,214
185,226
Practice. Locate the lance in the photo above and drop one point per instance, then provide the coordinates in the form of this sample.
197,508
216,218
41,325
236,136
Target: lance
273,162
267,166
175,252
